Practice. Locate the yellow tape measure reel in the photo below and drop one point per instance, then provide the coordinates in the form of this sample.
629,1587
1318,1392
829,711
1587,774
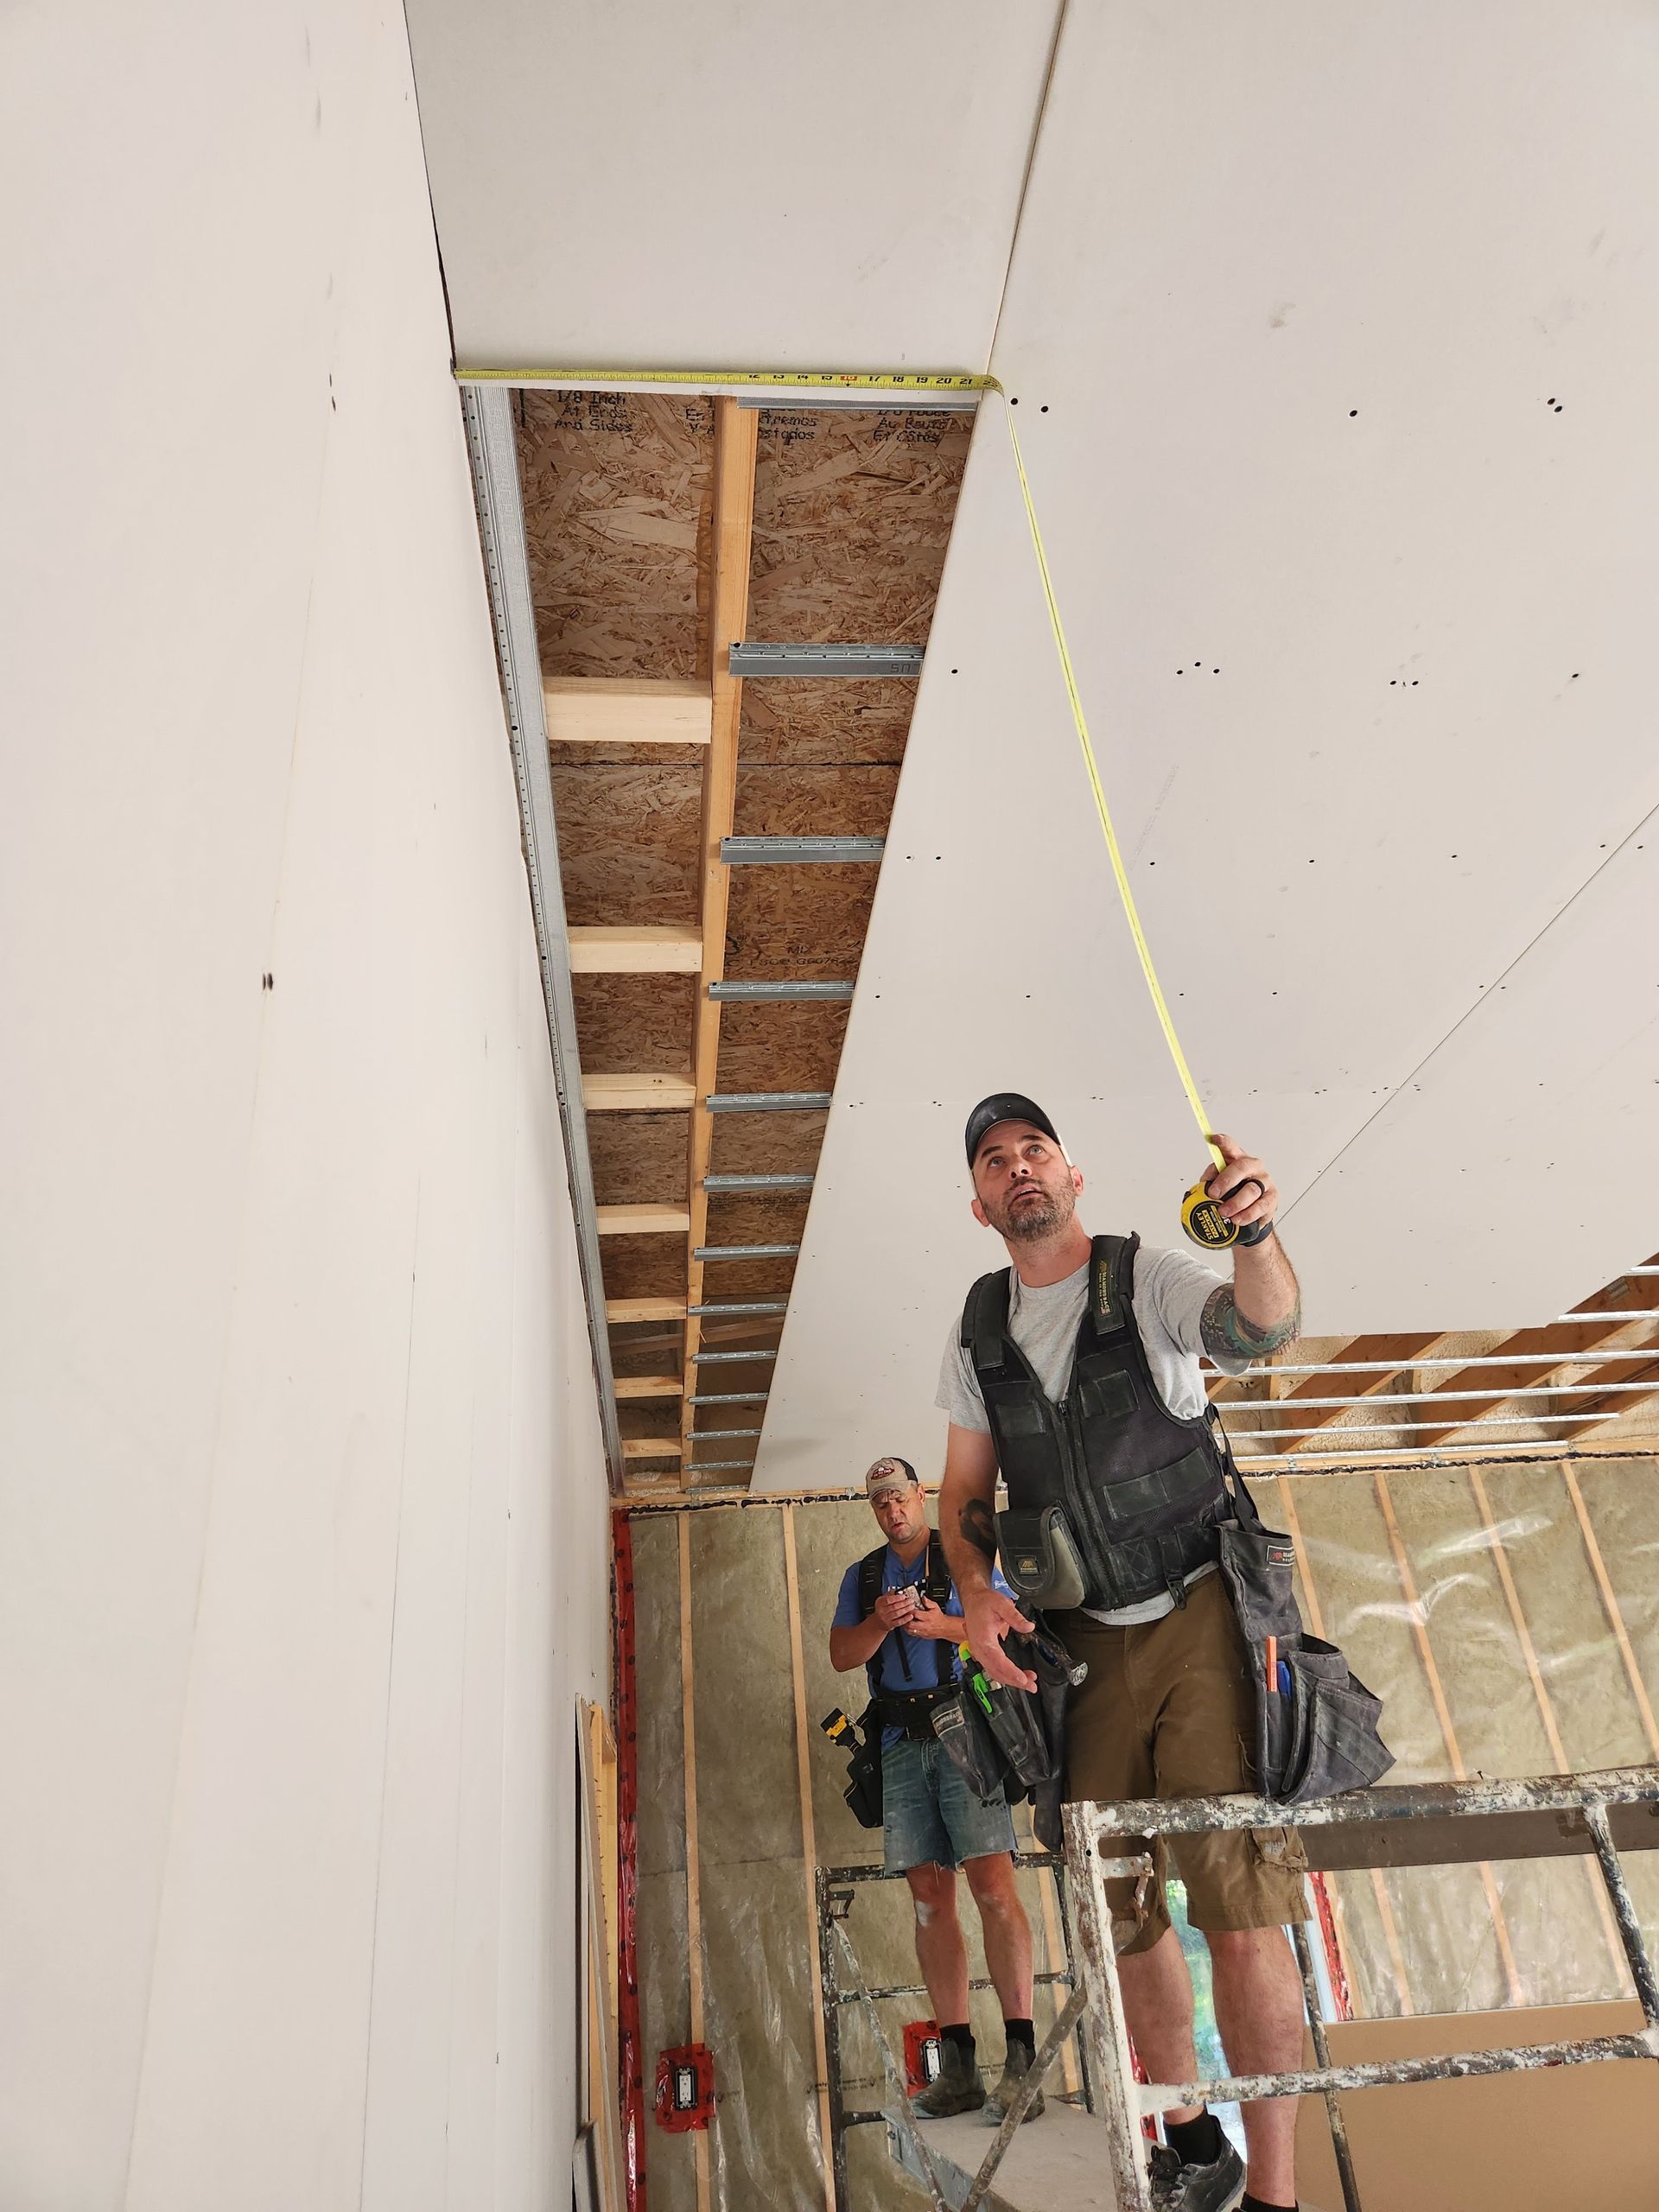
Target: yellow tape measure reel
1201,1216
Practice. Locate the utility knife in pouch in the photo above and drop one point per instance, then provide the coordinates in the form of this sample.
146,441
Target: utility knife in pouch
1039,1558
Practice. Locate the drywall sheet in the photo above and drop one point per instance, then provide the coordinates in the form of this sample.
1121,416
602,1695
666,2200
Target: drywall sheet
659,186
1477,1586
1495,2143
296,1372
1325,333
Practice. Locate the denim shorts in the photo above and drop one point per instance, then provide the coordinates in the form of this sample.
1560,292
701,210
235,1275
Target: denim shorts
928,1814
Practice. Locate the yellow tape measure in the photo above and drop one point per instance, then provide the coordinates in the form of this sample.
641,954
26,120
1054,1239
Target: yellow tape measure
1201,1216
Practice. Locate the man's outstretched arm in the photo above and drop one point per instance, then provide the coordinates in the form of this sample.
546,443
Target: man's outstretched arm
1261,1310
968,1529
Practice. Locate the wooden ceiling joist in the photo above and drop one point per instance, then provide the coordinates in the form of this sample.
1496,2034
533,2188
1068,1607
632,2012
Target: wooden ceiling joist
1571,1340
1402,1350
625,710
640,1093
650,1448
620,1310
642,1221
653,950
647,1385
736,434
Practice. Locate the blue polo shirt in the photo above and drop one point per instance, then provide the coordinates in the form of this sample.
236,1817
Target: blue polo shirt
905,1662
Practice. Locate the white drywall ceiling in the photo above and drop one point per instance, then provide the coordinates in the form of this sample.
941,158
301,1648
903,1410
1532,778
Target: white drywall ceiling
654,185
1330,333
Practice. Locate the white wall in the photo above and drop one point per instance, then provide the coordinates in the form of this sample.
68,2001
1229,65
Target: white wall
303,1554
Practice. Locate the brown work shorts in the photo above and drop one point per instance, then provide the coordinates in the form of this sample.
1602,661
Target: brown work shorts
1168,1710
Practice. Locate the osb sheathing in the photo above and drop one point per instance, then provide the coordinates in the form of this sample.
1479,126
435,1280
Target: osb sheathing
852,513
755,1912
618,489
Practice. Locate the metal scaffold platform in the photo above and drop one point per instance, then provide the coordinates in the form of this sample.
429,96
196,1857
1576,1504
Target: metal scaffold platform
1094,2160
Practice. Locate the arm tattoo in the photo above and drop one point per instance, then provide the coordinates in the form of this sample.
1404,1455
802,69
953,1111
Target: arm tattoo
979,1527
1228,1335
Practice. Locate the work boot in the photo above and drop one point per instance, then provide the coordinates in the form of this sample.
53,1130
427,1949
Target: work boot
1176,2188
955,2089
1015,2067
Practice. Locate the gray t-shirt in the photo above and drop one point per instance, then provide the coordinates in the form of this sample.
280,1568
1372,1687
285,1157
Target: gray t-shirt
1170,1291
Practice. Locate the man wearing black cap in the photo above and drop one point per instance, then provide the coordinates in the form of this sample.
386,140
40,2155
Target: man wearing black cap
1074,1372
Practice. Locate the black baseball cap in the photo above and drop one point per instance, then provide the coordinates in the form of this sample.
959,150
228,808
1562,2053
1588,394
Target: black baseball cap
1004,1106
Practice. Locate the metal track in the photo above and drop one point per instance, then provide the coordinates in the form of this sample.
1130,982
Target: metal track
492,450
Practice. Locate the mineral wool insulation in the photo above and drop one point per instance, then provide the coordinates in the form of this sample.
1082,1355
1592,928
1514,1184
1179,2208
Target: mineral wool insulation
1445,1953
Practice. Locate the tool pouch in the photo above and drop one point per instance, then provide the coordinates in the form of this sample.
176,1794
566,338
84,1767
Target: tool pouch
1039,1558
1316,1725
964,1733
1017,1749
864,1790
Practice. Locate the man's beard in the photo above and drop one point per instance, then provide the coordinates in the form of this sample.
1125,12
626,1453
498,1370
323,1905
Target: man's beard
1027,1224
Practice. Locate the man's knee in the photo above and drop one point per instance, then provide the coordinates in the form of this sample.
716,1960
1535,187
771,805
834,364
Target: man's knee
932,1892
991,1880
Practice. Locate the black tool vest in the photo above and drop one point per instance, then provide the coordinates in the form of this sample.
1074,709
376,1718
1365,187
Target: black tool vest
1139,1489
901,1708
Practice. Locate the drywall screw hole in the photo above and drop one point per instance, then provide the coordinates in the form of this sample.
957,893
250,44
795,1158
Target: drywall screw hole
1042,411
1352,411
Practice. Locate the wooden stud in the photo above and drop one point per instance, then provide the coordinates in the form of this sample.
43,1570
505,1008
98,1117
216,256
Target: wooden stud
735,430
642,1221
1419,1616
650,951
810,1856
648,1386
1610,1603
620,1310
599,1871
693,1855
1385,1905
627,710
1545,1707
650,1448
637,1094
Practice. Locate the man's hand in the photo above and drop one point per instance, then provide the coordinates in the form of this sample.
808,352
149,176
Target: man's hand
929,1619
987,1616
895,1608
1231,1187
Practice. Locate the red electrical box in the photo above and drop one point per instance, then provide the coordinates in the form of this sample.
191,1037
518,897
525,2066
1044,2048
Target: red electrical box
923,2059
685,2088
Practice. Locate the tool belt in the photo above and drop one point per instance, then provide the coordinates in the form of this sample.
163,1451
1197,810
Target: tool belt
1317,1730
909,1710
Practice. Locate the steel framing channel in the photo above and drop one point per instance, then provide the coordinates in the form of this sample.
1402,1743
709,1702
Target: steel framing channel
801,852
752,659
759,993
729,1358
745,1251
768,1102
730,1398
756,1182
1125,2101
738,1306
492,448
